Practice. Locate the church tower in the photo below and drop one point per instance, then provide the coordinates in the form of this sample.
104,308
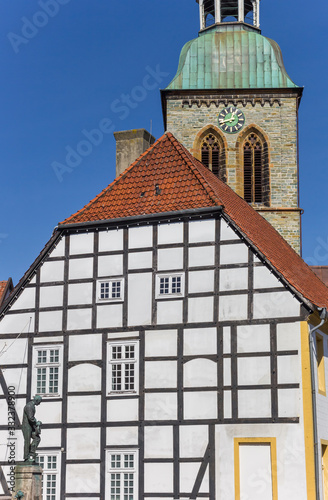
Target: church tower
233,105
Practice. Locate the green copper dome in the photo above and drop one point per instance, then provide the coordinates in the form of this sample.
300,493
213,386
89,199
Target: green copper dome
225,58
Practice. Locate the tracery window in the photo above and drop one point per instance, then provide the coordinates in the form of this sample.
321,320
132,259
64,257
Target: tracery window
212,155
254,169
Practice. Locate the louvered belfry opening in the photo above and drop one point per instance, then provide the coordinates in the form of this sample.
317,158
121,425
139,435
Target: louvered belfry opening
256,175
213,156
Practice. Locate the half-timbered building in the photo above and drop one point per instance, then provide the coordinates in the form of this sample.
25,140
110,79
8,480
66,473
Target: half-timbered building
166,324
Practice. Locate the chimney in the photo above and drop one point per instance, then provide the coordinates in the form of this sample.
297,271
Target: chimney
130,144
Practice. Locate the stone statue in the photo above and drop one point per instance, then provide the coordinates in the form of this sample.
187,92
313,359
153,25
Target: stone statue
31,430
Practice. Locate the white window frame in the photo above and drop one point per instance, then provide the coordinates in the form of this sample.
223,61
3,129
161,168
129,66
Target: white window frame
124,362
110,281
121,471
47,365
47,472
170,277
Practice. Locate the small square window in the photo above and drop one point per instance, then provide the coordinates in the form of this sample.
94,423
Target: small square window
170,286
111,290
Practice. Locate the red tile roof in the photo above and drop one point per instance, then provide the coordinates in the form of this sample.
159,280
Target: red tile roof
184,183
5,287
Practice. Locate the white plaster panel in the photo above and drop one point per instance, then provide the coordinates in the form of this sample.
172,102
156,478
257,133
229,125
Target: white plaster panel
5,452
201,256
17,323
59,249
193,440
169,312
82,478
50,412
200,373
160,374
52,271
140,260
110,265
33,280
122,436
84,377
51,296
26,300
202,231
12,354
79,294
81,243
158,478
275,305
45,340
110,316
139,299
226,340
254,404
170,233
263,278
199,341
289,370
233,307
159,441
253,460
79,319
201,281
16,377
85,347
80,269
226,371
111,241
188,475
227,233
170,258
234,254
200,309
83,443
122,335
141,237
227,404
234,279
160,343
3,413
253,338
254,371
288,403
51,321
83,409
199,405
122,410
161,406
288,336
51,437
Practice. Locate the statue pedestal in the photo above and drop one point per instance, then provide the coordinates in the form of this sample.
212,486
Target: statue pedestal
28,479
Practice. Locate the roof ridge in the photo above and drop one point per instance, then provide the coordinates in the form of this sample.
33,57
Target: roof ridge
190,162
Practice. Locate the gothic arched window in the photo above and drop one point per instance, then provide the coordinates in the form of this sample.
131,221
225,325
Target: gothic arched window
256,175
213,155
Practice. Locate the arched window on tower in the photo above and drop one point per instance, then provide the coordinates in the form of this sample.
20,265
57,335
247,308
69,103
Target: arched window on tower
256,171
213,155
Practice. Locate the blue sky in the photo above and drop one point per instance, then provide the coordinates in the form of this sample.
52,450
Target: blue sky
63,77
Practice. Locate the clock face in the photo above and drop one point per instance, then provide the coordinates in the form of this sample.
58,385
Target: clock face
231,120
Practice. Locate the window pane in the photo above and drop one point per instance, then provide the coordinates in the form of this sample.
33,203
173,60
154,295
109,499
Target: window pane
42,356
129,377
164,286
115,461
52,462
51,487
116,289
116,377
129,351
117,352
41,380
128,486
115,486
53,380
128,461
104,290
176,284
54,355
